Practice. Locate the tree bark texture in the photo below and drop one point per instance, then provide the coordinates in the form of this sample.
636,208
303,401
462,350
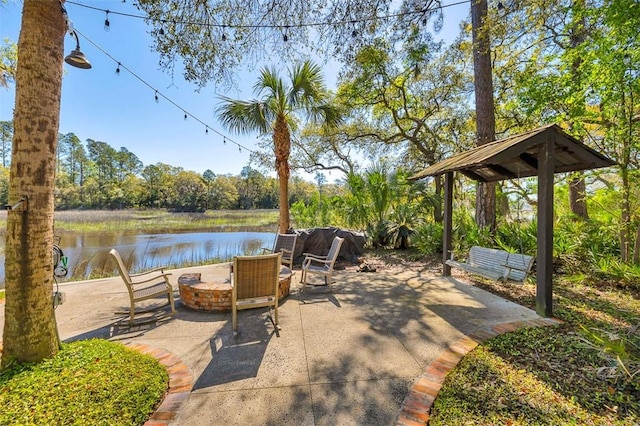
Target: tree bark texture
577,185
485,118
577,195
30,330
282,147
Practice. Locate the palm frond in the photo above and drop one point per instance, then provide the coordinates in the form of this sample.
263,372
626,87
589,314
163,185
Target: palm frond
307,85
244,117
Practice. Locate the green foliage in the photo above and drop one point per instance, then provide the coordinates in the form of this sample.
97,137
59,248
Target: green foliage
316,212
88,382
466,233
518,237
8,63
384,204
428,238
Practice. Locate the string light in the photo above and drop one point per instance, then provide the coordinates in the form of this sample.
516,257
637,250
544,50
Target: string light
157,99
118,69
107,25
276,26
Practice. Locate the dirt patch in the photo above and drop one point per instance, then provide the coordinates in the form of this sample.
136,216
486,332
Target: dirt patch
377,260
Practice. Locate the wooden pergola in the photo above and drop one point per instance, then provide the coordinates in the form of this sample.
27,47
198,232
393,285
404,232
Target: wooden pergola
541,152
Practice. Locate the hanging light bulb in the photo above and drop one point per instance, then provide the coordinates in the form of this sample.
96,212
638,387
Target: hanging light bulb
118,69
161,32
285,36
500,5
185,115
107,25
157,99
224,35
239,148
224,140
206,130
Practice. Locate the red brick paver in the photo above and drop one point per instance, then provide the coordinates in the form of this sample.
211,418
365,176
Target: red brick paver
180,383
417,405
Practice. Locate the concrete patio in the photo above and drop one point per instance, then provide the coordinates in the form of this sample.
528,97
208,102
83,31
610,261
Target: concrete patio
348,356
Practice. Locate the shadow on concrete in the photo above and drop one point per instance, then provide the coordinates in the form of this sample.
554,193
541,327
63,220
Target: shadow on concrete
237,357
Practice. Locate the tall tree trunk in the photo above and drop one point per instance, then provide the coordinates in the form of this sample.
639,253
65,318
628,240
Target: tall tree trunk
485,118
577,195
30,330
282,147
577,185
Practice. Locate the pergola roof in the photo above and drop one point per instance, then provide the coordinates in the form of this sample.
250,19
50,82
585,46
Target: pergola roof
517,157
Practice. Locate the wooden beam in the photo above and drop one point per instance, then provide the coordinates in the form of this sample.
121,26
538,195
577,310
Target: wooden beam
473,175
447,233
544,271
529,160
503,171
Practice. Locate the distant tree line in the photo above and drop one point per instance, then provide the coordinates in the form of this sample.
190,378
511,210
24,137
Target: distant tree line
95,175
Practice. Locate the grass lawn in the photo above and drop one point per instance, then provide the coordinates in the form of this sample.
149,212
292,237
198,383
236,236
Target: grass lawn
585,371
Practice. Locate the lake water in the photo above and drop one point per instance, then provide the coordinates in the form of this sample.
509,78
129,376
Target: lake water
88,254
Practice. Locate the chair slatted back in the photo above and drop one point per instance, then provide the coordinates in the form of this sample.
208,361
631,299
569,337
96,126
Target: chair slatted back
256,276
334,251
122,270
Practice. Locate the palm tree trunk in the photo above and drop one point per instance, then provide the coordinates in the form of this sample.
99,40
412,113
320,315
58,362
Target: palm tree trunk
282,147
30,329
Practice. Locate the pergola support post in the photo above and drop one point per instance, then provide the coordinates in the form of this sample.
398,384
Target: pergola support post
544,271
447,233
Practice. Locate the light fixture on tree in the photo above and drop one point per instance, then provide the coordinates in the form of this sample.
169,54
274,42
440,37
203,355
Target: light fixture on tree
76,58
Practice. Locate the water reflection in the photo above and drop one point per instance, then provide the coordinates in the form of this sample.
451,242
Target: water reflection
88,253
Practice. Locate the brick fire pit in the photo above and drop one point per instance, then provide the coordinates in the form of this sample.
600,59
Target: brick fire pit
214,294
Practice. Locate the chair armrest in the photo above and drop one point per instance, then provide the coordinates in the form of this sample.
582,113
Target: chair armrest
164,275
266,250
314,256
523,268
309,260
151,271
286,251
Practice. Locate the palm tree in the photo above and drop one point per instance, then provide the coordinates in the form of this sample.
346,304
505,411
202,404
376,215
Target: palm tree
30,333
275,111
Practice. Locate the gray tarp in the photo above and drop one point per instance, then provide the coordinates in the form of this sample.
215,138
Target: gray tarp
318,241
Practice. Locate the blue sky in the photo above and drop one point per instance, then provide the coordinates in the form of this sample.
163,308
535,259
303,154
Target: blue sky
121,110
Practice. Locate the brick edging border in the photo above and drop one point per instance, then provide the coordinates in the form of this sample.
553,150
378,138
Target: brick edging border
417,404
180,383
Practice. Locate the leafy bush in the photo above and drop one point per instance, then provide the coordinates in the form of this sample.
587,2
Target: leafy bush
428,238
92,382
